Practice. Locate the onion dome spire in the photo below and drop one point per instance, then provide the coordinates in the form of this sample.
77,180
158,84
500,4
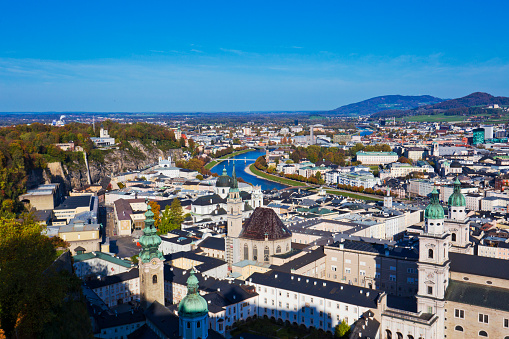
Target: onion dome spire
193,304
434,210
457,199
150,241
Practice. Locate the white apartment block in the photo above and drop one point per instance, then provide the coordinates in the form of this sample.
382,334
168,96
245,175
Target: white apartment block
376,158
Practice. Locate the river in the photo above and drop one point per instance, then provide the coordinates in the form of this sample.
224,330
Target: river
240,167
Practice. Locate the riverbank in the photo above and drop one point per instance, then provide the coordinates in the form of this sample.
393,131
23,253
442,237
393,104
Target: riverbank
347,194
251,169
213,163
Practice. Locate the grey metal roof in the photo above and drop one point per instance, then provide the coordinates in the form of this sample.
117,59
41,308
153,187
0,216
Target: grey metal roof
478,295
478,265
349,294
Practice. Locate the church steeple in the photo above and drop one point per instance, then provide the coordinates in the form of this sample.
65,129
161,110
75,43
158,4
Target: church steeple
150,241
235,184
151,264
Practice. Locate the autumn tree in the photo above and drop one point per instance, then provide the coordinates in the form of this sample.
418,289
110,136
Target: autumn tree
156,209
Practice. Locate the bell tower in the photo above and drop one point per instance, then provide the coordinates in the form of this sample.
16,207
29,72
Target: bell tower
151,264
234,206
457,222
433,264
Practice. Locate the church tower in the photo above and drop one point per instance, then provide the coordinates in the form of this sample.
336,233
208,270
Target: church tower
234,206
457,223
433,264
193,312
456,203
151,264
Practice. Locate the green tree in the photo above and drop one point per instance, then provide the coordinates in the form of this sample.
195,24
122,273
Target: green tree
34,296
176,214
172,217
342,329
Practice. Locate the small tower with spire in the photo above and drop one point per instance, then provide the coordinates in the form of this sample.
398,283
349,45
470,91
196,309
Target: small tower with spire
151,264
193,312
388,199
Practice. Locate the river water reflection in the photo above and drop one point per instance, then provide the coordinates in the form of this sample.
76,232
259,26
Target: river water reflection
240,167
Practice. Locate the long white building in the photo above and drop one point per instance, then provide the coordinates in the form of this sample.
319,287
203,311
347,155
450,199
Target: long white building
312,302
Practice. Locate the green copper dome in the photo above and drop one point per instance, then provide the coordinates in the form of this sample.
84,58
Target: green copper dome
434,210
193,304
150,241
456,199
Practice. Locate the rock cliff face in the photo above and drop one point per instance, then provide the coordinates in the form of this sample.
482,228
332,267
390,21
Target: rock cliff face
115,161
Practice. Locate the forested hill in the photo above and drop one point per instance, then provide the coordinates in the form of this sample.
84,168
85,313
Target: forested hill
474,99
26,149
386,102
474,103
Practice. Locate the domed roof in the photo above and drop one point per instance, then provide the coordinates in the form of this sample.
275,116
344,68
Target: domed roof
434,210
264,221
224,180
457,199
193,304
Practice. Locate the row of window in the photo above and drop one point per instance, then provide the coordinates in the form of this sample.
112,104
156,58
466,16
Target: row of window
482,318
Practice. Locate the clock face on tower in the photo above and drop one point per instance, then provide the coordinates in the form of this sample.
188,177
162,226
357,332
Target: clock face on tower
430,275
153,262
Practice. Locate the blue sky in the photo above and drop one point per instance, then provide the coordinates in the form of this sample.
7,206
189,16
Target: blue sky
245,55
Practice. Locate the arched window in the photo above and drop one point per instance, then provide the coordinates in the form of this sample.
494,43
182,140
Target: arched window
400,336
458,328
188,324
410,337
431,224
430,253
483,334
198,324
246,252
388,334
154,279
255,253
266,254
453,237
278,249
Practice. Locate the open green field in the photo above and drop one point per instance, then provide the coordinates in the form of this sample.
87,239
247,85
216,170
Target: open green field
215,162
274,178
434,118
353,195
451,118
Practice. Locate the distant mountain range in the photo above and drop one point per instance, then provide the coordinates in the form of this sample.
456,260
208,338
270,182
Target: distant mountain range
386,102
471,104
